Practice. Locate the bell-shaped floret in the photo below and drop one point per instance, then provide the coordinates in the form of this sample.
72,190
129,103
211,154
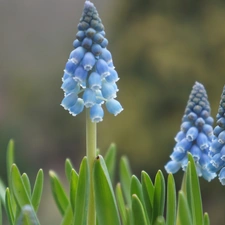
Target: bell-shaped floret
98,38
221,137
96,49
87,43
104,43
89,98
114,107
102,68
90,32
192,134
196,153
77,55
77,108
76,43
183,146
69,84
108,90
222,176
177,155
80,35
106,55
80,75
96,113
94,81
113,77
202,141
69,100
172,167
88,61
179,136
70,68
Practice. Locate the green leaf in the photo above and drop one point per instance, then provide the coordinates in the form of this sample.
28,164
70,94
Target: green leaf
171,201
8,207
206,219
136,188
160,221
68,168
73,188
18,187
81,201
68,216
138,211
37,190
0,212
196,200
58,192
27,216
148,193
183,214
130,218
10,161
121,204
110,161
2,192
26,183
106,208
125,178
159,196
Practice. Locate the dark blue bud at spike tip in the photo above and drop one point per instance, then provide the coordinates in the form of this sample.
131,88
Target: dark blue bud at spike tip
90,70
195,135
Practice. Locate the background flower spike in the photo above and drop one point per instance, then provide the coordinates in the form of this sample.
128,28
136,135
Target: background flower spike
90,56
195,135
217,150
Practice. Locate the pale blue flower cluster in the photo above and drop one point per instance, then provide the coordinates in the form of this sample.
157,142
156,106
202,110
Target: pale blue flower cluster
217,149
195,135
90,77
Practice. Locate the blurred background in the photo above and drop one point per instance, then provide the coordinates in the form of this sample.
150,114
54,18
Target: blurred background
160,48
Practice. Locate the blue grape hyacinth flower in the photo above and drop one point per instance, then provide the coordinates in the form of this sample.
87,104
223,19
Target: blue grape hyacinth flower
217,148
195,135
90,77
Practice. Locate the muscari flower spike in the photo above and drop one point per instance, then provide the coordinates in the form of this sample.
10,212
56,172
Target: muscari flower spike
217,148
195,135
90,77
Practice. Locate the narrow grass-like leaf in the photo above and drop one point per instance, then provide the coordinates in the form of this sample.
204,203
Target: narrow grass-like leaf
26,183
130,218
2,192
159,196
160,221
27,216
82,195
136,188
104,195
121,204
68,168
19,190
8,207
148,193
171,201
110,161
196,206
0,212
10,161
183,214
37,190
125,178
58,192
73,188
68,216
138,211
206,219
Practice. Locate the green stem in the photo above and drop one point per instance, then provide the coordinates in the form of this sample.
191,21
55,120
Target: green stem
91,137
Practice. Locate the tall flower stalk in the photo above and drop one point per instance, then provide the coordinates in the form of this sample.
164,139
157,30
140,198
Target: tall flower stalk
89,81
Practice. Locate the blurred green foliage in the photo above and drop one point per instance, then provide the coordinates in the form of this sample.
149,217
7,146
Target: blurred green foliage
160,48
